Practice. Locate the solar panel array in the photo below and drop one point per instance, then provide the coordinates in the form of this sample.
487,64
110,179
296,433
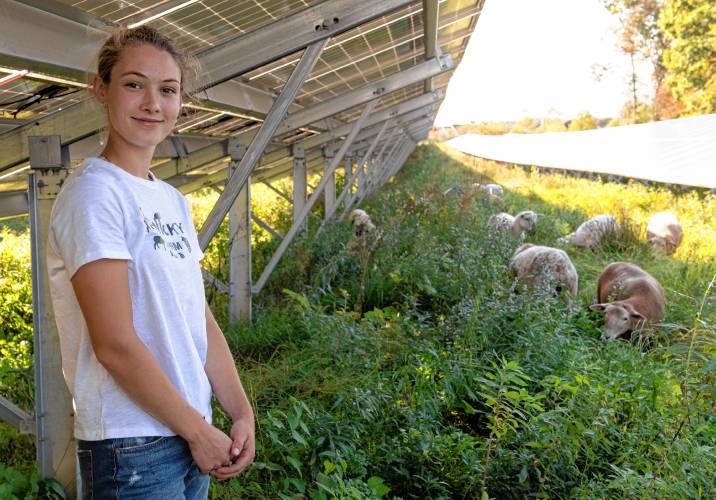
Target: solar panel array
366,53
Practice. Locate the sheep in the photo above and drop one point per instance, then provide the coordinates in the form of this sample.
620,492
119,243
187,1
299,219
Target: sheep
361,220
523,222
491,189
494,192
541,268
664,232
589,234
638,299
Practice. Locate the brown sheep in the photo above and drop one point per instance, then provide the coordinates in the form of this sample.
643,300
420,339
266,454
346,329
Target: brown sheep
638,299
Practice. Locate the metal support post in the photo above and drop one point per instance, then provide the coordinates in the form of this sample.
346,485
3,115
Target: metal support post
330,191
53,402
275,115
349,180
360,174
314,197
300,185
239,243
431,16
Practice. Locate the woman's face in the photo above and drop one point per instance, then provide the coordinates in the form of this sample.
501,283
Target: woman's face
143,97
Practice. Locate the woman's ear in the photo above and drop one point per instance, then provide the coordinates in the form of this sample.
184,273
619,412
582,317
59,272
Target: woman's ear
99,90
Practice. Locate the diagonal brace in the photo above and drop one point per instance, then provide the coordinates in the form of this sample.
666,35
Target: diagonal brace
258,144
313,198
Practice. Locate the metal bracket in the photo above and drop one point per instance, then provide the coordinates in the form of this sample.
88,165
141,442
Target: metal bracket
298,152
49,161
237,149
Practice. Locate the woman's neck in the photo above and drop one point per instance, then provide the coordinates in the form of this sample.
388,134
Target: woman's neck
133,160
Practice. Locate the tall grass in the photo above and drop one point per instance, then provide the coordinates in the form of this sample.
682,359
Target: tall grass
418,368
411,367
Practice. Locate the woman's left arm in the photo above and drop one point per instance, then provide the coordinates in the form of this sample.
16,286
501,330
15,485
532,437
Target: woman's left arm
225,382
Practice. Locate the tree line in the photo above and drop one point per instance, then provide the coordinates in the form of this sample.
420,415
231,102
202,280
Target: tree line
678,37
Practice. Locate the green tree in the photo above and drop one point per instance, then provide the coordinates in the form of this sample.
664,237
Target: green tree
583,121
642,37
689,27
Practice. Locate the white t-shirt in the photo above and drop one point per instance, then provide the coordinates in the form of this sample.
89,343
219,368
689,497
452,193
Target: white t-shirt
104,212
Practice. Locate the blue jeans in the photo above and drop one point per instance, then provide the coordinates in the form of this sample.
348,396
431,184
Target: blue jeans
150,467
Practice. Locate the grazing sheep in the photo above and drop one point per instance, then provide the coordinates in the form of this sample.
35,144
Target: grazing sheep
589,234
523,222
361,220
494,192
637,299
492,189
664,232
545,268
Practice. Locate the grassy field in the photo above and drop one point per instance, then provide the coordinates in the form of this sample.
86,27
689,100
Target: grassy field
410,368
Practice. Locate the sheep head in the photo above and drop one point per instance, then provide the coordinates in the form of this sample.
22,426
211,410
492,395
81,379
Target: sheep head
620,318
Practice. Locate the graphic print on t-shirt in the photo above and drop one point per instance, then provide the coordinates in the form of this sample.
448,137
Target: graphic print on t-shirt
167,236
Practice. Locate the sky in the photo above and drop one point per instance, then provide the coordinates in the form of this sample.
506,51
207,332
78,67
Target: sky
537,58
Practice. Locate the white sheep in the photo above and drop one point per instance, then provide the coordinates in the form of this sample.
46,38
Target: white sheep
589,234
494,192
545,268
523,222
491,189
664,232
361,220
637,299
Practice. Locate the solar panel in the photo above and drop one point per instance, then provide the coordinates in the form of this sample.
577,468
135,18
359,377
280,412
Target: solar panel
357,57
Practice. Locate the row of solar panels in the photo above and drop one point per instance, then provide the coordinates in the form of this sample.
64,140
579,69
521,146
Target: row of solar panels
399,52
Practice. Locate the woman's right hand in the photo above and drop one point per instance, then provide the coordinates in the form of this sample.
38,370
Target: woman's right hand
211,449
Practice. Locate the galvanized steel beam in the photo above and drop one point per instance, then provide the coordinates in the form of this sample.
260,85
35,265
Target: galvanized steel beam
53,403
329,193
300,185
16,417
430,34
259,142
239,243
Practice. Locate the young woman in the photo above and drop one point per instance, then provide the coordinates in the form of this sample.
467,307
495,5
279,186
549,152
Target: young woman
141,351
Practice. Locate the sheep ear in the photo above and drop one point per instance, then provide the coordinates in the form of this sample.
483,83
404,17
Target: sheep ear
539,216
598,307
638,316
